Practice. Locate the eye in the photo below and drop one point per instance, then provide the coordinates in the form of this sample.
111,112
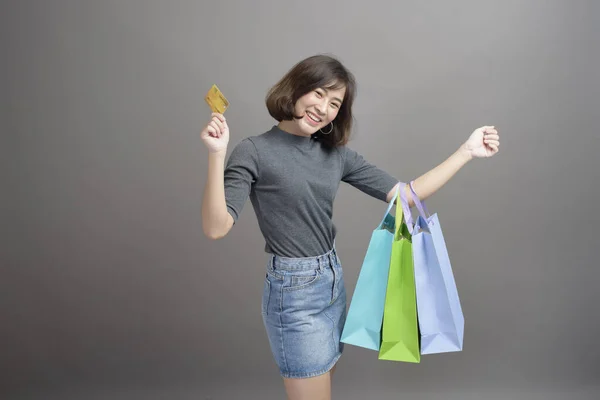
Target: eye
335,105
319,95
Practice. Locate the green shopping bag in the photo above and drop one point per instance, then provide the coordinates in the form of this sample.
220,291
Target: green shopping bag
400,334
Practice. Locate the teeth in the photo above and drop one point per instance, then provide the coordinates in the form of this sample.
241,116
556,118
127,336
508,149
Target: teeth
313,117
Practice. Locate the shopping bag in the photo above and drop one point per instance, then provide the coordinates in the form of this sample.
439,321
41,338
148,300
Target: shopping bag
441,321
365,314
400,335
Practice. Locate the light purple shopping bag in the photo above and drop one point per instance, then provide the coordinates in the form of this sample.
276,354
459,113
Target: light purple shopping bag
441,321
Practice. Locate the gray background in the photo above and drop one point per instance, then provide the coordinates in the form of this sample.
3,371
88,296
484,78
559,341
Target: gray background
109,288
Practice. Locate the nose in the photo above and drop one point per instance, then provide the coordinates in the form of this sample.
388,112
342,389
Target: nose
321,107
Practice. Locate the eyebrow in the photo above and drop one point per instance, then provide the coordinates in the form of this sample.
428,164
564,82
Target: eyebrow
335,98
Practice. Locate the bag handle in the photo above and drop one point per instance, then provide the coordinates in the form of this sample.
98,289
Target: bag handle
391,204
402,209
420,205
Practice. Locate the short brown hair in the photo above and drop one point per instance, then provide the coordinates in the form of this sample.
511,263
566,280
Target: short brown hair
319,71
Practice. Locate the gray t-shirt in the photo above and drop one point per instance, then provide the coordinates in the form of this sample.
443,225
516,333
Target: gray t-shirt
292,182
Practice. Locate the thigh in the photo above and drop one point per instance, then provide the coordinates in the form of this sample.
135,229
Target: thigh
315,388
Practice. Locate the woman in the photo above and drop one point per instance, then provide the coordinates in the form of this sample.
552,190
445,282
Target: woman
291,174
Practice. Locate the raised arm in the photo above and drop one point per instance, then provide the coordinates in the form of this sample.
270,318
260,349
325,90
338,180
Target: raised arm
229,183
483,142
216,220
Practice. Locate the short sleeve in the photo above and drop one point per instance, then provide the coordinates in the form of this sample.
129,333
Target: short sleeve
241,171
366,176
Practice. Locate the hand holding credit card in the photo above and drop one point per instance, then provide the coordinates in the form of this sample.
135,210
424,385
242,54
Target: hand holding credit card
215,134
216,100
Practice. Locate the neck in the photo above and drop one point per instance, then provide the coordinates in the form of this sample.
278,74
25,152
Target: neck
292,128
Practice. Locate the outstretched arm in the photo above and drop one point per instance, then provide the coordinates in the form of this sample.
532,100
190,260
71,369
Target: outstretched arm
483,142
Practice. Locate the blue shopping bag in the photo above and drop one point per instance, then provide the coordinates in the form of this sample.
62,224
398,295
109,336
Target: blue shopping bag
441,321
365,314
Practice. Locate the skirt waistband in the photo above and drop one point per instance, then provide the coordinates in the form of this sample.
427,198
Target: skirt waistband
302,263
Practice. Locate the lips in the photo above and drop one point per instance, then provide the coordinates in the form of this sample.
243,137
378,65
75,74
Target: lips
312,118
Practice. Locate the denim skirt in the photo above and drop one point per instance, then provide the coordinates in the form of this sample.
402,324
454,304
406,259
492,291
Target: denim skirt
304,311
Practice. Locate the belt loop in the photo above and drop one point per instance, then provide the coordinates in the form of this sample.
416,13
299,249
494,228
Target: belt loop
273,261
320,264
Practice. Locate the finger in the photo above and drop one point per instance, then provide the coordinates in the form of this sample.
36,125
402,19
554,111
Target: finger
219,116
492,143
219,123
211,131
216,128
492,136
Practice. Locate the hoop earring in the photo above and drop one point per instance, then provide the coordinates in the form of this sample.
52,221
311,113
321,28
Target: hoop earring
327,133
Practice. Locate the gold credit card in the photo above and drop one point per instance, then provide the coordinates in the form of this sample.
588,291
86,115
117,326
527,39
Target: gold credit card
216,101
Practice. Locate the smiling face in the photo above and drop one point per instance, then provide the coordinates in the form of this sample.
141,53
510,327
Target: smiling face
316,110
309,98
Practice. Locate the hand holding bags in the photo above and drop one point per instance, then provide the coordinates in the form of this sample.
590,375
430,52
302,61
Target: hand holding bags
406,302
441,320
